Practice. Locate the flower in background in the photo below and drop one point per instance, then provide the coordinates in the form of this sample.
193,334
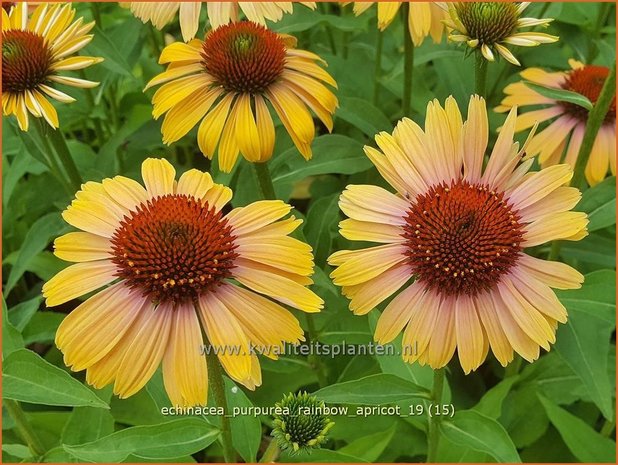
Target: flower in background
227,81
301,425
490,26
459,231
424,19
219,13
34,50
568,121
165,256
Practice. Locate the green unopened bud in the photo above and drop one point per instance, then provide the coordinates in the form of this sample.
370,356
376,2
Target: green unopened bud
301,425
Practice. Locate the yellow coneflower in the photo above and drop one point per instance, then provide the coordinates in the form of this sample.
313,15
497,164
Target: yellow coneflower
491,26
567,119
166,255
219,13
424,19
227,80
459,232
35,49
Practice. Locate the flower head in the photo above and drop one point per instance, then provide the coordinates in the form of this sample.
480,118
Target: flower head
490,26
34,51
424,19
459,232
302,424
219,13
566,119
163,258
227,81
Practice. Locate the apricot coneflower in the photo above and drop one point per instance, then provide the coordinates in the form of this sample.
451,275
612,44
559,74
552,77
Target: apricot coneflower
227,80
459,231
34,50
165,256
567,119
219,13
490,26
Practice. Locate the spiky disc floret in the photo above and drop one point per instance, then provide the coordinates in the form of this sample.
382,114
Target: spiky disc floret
302,425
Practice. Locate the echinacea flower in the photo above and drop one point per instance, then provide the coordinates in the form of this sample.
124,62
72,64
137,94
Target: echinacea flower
227,80
459,232
165,255
490,26
424,18
219,13
34,50
567,119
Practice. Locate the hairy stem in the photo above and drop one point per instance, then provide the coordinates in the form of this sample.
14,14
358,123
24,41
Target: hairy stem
215,380
265,181
433,432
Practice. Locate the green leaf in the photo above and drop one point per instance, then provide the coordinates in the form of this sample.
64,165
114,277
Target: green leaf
20,314
29,378
38,237
164,441
321,456
472,429
363,115
321,224
246,429
42,327
491,402
600,204
584,342
370,447
561,95
332,153
102,46
583,441
372,390
87,424
11,338
17,450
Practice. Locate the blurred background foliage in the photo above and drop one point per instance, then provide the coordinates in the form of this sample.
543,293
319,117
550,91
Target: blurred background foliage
559,409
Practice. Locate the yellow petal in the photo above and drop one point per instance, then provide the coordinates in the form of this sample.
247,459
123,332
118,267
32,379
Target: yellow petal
77,280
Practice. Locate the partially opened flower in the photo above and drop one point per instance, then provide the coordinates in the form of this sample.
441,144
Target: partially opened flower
219,13
567,120
35,50
424,18
491,26
227,82
168,263
458,231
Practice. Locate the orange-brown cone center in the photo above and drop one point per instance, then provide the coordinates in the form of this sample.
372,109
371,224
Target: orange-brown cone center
243,57
462,238
174,248
588,81
26,61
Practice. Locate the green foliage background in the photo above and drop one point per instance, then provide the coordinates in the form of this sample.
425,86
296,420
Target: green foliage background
561,408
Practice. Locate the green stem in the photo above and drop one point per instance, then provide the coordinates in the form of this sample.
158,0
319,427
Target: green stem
480,74
433,431
377,72
607,428
96,14
554,252
596,117
40,144
217,385
604,9
513,368
408,64
314,360
271,453
62,150
98,128
24,428
265,181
